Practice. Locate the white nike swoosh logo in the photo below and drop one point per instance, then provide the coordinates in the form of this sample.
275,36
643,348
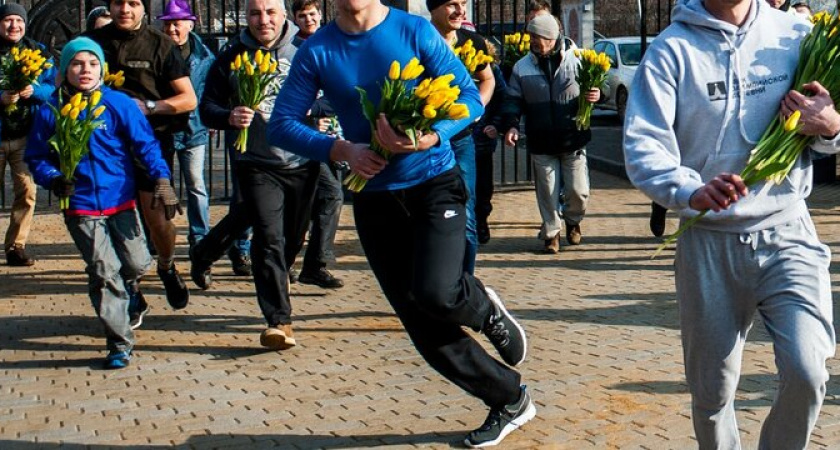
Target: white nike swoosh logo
449,214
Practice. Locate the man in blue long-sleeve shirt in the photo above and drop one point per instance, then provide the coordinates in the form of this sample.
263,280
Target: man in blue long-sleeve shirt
410,217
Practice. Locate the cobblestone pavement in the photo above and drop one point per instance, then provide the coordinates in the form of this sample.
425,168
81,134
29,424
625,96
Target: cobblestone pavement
604,364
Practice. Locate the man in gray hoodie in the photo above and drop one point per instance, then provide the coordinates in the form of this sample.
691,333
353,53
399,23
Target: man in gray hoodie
703,95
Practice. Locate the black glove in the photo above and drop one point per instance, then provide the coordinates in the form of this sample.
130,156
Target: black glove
61,187
165,195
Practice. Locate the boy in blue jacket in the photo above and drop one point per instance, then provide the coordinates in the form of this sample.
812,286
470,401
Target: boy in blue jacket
102,217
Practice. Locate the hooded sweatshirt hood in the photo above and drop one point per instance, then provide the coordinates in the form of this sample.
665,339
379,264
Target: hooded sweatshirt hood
703,95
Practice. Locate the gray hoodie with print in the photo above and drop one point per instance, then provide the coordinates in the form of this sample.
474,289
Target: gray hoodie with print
703,95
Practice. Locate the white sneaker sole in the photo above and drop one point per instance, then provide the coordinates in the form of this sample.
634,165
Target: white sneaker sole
529,414
498,302
140,319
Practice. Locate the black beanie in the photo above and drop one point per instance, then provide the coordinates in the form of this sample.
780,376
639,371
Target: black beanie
13,9
433,4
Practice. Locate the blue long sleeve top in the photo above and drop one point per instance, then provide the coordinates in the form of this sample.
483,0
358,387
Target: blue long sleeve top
338,62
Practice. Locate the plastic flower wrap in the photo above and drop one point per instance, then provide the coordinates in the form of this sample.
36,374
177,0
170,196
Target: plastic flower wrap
113,79
252,77
781,145
516,46
592,74
411,107
472,58
20,68
75,121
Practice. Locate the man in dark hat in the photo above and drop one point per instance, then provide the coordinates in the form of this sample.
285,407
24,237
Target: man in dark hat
14,126
157,77
191,144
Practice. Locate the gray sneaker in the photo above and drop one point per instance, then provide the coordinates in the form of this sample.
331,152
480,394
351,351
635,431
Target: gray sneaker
501,421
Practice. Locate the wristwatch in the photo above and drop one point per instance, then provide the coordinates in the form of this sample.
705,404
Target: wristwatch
151,105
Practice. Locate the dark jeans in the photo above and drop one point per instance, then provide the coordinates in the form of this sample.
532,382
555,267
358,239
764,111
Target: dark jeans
326,211
276,203
414,240
484,148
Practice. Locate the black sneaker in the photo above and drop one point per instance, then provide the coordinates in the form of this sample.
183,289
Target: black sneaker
200,271
137,310
241,264
483,233
322,277
501,421
657,219
177,293
504,332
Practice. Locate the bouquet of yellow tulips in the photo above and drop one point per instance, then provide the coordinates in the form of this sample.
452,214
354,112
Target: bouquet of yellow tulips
20,68
516,46
411,107
592,74
252,77
472,58
74,124
782,145
113,79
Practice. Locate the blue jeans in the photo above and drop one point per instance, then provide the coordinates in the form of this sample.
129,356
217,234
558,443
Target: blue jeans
191,161
464,149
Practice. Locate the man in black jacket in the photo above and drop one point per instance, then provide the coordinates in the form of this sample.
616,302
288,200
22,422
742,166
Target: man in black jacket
157,77
276,187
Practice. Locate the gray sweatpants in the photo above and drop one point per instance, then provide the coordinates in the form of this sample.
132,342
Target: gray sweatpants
115,252
722,280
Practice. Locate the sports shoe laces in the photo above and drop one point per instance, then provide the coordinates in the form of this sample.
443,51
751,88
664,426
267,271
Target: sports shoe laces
493,419
497,331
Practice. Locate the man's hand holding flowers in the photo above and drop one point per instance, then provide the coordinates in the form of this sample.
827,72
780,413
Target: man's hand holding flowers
241,117
363,161
819,116
396,142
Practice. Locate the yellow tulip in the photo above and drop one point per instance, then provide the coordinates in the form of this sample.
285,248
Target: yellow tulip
273,67
82,105
15,51
237,63
408,70
66,110
76,99
74,113
119,82
792,121
527,38
98,111
265,66
429,112
249,69
436,99
394,71
25,71
245,57
232,68
423,90
442,82
458,111
258,57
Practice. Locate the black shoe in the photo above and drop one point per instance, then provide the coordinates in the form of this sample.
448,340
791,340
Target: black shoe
293,276
657,219
200,271
177,293
501,421
483,232
322,277
17,257
137,310
241,264
504,332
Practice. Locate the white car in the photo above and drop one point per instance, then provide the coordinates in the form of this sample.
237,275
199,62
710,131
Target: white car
625,54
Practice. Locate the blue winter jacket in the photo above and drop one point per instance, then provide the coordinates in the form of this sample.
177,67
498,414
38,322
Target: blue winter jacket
200,60
104,179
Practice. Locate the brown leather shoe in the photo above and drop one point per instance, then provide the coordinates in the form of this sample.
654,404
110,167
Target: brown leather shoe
573,235
552,246
278,337
17,257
